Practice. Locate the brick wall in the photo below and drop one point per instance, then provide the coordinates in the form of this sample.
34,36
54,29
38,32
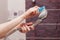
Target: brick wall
50,27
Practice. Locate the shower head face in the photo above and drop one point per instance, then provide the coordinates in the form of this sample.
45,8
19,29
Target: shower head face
43,13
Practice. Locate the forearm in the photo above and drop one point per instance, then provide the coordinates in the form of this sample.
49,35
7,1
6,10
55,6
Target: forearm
6,27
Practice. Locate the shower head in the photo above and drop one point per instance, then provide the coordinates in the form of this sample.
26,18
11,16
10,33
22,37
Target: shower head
43,12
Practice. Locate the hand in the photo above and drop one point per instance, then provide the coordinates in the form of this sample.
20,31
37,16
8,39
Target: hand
25,27
31,12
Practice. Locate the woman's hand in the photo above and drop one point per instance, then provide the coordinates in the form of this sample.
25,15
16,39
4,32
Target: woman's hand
25,27
31,12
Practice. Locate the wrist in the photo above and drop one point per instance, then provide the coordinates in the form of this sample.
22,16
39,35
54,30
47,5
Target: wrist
24,15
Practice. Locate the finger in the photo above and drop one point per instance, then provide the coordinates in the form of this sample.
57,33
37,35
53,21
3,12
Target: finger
28,24
35,12
37,9
31,27
22,30
36,6
27,27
